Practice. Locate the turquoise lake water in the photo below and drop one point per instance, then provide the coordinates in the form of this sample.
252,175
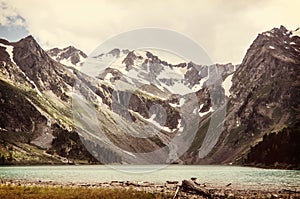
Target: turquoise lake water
219,176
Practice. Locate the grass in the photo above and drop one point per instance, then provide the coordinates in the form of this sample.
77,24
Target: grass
24,192
26,154
199,137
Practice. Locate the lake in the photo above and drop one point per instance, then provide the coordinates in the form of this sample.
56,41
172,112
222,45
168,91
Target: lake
218,176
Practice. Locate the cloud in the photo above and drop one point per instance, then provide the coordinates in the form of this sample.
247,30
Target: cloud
225,29
9,16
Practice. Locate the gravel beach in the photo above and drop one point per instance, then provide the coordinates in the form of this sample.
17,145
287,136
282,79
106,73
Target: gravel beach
173,189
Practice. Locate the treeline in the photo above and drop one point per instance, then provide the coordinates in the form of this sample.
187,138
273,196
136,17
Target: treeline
69,145
277,150
7,159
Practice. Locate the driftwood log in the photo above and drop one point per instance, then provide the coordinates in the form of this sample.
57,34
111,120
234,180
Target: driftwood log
191,187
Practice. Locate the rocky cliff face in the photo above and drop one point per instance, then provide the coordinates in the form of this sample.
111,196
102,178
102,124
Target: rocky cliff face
264,100
135,107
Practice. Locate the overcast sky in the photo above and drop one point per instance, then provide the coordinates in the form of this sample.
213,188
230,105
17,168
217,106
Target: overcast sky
224,28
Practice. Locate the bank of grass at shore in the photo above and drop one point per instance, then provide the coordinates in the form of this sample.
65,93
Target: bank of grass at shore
29,192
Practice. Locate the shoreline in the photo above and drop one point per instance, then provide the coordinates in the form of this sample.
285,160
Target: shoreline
185,189
260,166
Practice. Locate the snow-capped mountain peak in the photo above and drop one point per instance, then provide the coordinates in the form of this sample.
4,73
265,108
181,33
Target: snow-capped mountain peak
143,66
69,56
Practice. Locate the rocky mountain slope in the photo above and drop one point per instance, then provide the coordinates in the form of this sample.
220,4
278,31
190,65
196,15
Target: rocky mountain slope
35,106
131,106
69,56
264,105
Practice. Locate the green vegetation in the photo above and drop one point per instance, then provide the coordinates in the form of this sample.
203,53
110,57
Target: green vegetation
277,114
56,108
279,150
22,153
234,134
24,192
199,137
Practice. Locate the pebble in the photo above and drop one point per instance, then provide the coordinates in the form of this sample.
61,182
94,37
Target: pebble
162,187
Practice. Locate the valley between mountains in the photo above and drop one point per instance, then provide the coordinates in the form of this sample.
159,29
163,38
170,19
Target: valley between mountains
129,106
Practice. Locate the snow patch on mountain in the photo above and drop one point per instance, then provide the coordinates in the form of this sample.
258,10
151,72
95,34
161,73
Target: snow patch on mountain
178,88
174,73
209,111
199,86
272,47
171,57
152,121
227,83
110,60
67,62
9,50
181,102
155,123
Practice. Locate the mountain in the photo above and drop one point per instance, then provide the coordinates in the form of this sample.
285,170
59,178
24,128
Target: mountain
57,93
144,67
35,107
137,106
262,121
156,99
69,56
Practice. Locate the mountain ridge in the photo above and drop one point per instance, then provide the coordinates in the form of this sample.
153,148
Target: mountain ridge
260,103
264,93
69,56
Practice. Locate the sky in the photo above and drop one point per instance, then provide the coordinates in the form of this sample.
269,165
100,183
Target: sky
223,28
